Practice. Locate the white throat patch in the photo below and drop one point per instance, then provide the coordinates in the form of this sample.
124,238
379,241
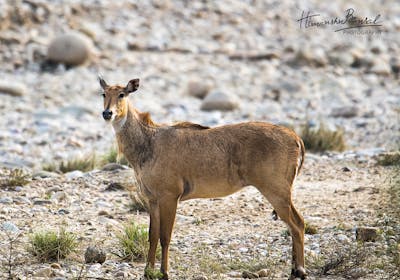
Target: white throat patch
118,124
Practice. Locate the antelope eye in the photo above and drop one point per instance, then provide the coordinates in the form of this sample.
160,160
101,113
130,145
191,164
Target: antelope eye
121,95
104,95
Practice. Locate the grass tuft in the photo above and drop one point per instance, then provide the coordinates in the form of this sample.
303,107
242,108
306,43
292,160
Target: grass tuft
322,139
389,159
310,229
82,163
112,157
52,246
133,243
15,177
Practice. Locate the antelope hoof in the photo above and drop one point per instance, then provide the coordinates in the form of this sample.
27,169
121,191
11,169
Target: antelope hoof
300,272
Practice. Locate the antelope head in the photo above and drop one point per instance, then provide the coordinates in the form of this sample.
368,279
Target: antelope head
115,103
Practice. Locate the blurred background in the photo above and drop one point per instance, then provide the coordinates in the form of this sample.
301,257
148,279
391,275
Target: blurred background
210,62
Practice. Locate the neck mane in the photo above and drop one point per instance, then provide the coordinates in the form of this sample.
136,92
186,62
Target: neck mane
134,134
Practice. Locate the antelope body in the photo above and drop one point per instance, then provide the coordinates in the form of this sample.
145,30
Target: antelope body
186,161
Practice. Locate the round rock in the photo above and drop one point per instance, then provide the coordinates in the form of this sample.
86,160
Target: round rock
218,100
69,49
197,89
94,255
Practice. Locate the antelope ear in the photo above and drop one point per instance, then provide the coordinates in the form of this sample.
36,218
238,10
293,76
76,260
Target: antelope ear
132,86
103,83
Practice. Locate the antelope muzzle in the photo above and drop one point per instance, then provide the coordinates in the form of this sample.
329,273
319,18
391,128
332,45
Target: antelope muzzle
107,114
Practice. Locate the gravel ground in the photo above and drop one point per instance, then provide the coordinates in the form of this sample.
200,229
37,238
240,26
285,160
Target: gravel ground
257,55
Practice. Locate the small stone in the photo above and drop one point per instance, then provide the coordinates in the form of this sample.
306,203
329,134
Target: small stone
121,274
200,277
94,255
59,196
114,186
69,49
218,100
22,200
249,275
381,67
6,200
103,213
73,174
44,272
44,174
345,112
342,238
41,202
113,166
8,226
197,89
13,88
367,233
55,266
263,273
346,169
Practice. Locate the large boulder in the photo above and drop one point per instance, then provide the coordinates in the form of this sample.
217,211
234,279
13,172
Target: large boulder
218,100
70,49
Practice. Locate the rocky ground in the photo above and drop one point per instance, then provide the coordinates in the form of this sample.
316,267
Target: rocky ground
207,62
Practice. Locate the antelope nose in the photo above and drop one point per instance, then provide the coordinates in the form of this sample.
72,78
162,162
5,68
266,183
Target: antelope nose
107,114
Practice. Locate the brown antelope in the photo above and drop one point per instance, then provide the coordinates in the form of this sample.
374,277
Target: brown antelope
178,162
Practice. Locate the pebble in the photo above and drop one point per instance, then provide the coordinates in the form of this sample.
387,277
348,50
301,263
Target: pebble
381,68
218,100
13,88
366,233
345,112
69,49
249,275
197,89
73,174
44,174
44,272
94,255
41,202
113,166
6,200
9,226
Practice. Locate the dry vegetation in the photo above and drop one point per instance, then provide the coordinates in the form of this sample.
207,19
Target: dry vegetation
322,139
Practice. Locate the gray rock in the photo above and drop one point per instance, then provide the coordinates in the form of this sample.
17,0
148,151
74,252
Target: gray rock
249,275
6,200
218,100
59,196
197,89
113,166
44,174
367,233
69,49
10,227
44,272
94,255
13,88
22,200
263,273
381,67
344,112
41,202
73,174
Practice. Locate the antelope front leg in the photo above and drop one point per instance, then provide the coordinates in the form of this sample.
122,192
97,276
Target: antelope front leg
154,234
167,218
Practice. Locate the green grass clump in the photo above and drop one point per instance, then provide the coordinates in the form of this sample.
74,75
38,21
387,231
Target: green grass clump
310,229
112,157
15,177
389,159
152,273
133,243
82,163
322,139
52,246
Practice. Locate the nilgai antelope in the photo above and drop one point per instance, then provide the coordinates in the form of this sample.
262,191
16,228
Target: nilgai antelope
178,162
